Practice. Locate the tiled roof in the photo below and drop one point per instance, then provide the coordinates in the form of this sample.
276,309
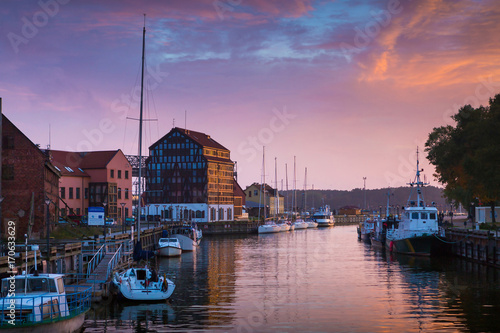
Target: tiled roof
74,163
201,138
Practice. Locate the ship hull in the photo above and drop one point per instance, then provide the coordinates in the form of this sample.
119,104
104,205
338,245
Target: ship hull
418,246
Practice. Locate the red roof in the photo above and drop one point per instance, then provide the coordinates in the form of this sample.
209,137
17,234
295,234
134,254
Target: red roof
200,138
74,163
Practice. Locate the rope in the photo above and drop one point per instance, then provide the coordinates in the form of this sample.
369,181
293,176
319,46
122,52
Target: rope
442,240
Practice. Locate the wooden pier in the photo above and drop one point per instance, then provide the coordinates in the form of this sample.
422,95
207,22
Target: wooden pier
477,245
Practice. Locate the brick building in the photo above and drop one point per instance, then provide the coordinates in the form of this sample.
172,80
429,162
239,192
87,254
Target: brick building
190,176
28,178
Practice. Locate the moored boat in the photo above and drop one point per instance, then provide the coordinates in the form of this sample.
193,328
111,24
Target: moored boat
300,224
169,247
418,229
366,229
269,228
324,217
312,224
189,237
41,303
142,284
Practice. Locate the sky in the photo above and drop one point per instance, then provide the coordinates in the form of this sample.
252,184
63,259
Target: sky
350,88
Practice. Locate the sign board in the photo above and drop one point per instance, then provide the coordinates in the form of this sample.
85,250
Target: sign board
96,215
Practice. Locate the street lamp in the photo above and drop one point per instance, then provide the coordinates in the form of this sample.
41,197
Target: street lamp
47,222
104,225
123,216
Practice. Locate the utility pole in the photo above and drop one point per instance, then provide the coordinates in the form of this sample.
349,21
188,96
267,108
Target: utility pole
364,192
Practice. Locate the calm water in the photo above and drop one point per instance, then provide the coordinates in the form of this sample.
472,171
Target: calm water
319,280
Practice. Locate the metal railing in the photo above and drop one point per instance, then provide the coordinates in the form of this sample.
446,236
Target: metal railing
35,309
114,261
96,259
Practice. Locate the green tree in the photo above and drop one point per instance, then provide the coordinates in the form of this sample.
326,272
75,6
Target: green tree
467,156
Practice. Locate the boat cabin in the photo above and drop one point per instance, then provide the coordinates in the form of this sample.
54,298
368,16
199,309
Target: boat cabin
32,298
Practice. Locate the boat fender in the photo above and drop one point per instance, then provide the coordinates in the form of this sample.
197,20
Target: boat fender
391,245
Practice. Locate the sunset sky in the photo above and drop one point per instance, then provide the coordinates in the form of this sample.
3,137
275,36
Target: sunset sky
350,88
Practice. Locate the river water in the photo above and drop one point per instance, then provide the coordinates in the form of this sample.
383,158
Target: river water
314,280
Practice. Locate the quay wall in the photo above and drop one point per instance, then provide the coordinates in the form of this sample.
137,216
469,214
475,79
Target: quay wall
476,245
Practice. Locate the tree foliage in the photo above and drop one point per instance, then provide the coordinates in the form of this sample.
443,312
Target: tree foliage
467,156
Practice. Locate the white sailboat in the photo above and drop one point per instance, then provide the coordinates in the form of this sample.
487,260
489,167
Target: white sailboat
142,284
310,223
298,223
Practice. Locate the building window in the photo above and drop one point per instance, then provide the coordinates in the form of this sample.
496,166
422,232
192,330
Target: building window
119,192
70,193
119,174
7,172
86,193
78,211
63,211
112,173
63,192
8,142
126,193
126,174
78,194
249,194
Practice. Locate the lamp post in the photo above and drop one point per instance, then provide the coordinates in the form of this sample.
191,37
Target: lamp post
104,225
123,216
47,222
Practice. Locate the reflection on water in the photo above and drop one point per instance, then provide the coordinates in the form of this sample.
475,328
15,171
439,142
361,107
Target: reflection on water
319,280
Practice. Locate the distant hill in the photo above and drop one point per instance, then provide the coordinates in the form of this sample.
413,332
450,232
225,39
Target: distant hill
374,198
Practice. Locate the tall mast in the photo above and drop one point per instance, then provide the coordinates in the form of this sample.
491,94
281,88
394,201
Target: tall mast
419,184
286,177
140,133
305,191
294,200
264,180
276,201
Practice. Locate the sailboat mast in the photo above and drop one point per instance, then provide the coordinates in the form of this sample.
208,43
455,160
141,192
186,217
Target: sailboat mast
264,180
276,190
140,134
305,191
294,186
286,177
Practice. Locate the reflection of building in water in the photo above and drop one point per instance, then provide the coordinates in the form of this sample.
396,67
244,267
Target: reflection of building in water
221,279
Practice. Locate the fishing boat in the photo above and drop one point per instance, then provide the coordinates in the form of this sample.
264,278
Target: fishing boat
366,229
377,238
418,228
169,247
142,284
42,303
324,217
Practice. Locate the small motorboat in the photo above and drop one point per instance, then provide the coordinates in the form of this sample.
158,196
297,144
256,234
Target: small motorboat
142,284
169,247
